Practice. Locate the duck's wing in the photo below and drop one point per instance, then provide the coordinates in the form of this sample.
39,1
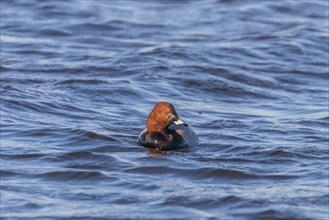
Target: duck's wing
186,133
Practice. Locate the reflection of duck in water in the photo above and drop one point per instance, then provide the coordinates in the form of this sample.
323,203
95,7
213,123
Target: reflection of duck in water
165,131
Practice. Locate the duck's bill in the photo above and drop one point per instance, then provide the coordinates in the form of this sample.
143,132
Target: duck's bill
180,122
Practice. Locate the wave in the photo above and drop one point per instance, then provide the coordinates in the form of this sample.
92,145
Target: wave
74,176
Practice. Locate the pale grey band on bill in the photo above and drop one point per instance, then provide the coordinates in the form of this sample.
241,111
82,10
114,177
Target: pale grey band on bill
179,122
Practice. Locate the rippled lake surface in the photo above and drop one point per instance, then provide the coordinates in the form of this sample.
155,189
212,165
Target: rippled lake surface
78,79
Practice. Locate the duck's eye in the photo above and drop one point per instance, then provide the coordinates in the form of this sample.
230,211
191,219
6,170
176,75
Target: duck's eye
174,118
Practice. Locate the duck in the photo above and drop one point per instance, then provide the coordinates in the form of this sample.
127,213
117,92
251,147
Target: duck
166,131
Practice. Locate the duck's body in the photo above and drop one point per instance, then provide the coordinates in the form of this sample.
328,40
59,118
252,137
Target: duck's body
165,131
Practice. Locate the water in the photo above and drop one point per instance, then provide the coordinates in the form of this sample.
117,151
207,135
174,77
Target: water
78,79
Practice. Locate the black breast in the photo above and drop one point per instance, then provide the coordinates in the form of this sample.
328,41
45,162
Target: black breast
161,141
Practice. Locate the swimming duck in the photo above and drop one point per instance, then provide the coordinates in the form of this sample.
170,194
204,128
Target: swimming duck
165,131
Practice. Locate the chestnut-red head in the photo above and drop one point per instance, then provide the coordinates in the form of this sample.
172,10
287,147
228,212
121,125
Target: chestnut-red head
162,115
